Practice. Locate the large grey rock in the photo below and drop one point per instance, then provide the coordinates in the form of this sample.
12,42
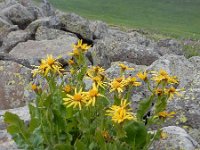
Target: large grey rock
121,46
14,80
35,50
177,139
50,22
13,38
47,8
6,142
44,33
195,60
87,29
18,15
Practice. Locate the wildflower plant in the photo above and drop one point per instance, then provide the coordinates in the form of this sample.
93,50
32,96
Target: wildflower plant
65,116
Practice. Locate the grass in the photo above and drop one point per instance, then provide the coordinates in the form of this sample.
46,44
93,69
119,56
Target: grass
177,18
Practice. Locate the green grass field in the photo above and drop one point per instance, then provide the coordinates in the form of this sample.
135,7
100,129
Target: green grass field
178,18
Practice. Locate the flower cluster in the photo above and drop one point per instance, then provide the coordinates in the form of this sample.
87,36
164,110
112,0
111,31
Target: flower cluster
73,114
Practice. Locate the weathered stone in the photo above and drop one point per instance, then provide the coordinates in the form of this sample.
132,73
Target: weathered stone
47,8
18,15
121,46
177,139
13,38
6,142
35,50
49,22
195,60
169,46
89,30
44,33
14,79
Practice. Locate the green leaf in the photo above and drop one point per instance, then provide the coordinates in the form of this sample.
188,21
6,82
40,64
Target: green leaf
62,147
136,135
79,145
143,107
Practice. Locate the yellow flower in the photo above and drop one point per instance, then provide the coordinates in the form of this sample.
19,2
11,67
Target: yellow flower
106,136
159,91
71,62
47,65
76,100
142,75
124,67
98,80
120,113
162,75
133,81
163,135
165,114
118,84
171,92
95,71
67,88
34,87
92,95
79,48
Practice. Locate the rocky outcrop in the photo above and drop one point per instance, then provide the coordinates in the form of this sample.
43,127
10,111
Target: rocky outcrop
33,51
13,83
13,38
18,15
176,139
131,47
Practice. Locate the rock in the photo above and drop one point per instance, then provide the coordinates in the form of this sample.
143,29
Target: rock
14,80
49,22
13,38
169,46
122,46
175,65
6,142
89,30
35,50
177,139
18,15
47,8
44,33
99,29
195,60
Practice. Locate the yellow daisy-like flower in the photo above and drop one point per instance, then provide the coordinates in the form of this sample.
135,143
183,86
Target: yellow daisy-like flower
47,65
34,87
159,91
92,95
76,100
71,62
95,71
79,48
124,67
133,81
118,84
142,75
162,75
99,81
67,88
120,113
165,114
171,92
